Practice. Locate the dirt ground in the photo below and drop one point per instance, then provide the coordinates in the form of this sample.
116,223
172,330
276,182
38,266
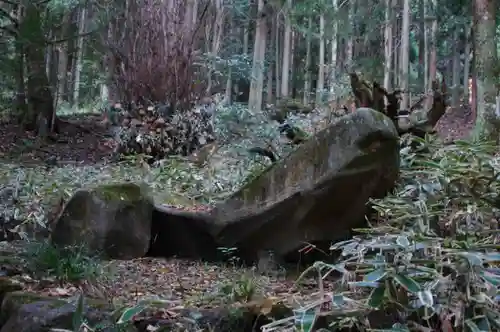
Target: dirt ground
82,140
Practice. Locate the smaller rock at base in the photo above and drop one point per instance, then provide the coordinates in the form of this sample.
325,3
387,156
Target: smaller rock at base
113,221
27,312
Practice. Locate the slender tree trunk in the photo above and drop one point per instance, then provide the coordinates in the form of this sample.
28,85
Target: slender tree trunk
350,42
307,79
270,69
216,40
432,52
40,99
388,44
62,70
467,64
334,48
79,56
321,63
486,70
456,69
286,52
421,44
277,58
257,82
405,52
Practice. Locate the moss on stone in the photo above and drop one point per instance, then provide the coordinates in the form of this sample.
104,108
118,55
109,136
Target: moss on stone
14,300
313,160
129,192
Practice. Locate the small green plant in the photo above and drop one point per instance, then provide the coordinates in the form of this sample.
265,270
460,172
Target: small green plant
243,289
230,254
65,264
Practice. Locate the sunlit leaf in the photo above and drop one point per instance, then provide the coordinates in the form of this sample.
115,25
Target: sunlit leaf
426,298
129,314
304,320
364,284
375,275
403,241
473,259
408,283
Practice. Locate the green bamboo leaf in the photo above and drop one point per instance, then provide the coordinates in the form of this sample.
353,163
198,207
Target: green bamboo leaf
490,277
376,297
375,275
408,283
78,315
304,320
472,326
473,259
130,313
492,257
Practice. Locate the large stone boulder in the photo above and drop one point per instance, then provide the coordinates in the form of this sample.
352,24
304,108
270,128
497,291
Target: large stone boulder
319,192
111,220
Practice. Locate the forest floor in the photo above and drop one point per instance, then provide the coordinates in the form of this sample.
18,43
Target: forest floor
83,142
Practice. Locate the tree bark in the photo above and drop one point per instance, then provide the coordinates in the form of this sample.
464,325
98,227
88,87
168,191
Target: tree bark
40,99
486,69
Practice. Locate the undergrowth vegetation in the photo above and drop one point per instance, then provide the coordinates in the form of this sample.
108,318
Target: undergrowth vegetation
68,264
430,258
176,181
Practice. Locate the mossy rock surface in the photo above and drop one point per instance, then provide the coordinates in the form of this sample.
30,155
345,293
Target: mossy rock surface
30,312
111,220
317,192
129,192
323,156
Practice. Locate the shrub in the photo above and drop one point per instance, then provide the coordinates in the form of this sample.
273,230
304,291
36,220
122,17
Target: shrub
431,258
65,264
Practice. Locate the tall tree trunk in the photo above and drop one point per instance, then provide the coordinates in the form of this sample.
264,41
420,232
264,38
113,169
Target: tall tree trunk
456,69
421,44
405,55
432,52
217,31
270,69
334,48
350,43
467,64
40,99
257,82
486,70
277,58
21,105
307,78
62,70
79,56
246,32
229,79
321,63
388,44
286,52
